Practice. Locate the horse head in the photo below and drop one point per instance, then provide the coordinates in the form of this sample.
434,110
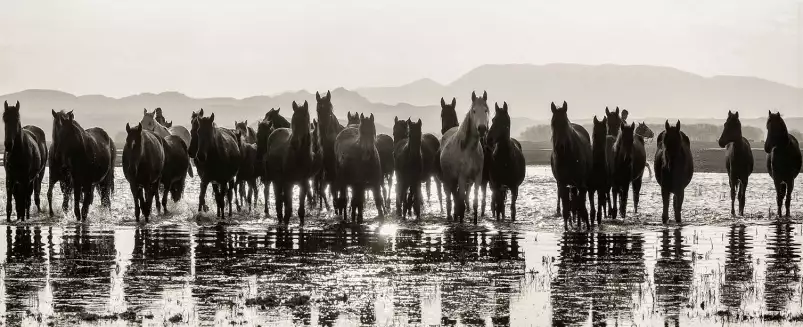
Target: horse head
300,124
614,121
644,131
561,126
415,133
133,142
600,130
448,115
206,135
149,122
263,133
193,149
500,125
242,128
732,131
625,140
479,112
11,119
777,133
400,129
353,120
367,130
324,109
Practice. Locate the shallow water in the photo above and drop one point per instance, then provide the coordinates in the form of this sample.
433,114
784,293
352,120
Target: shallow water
187,269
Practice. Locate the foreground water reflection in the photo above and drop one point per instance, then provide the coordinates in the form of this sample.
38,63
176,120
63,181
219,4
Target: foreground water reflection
395,276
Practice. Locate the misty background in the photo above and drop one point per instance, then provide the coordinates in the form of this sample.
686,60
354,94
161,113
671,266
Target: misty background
688,60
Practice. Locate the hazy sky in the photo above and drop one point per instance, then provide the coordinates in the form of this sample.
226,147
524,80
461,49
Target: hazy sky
243,48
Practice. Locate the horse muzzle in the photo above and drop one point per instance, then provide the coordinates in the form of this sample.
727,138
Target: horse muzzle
483,129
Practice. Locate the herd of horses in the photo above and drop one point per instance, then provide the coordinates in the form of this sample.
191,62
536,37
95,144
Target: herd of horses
326,159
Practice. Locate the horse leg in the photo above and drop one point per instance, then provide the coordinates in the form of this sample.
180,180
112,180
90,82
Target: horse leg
742,191
678,205
399,195
89,196
78,189
279,201
476,191
439,187
623,202
558,211
164,196
780,191
448,192
135,195
601,205
790,185
304,191
417,199
50,185
227,190
665,198
66,194
202,196
733,184
37,189
287,195
484,192
514,195
591,205
9,192
636,194
253,194
563,199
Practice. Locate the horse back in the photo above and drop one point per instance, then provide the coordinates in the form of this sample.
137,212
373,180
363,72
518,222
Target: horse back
429,153
181,132
384,145
39,137
784,162
176,158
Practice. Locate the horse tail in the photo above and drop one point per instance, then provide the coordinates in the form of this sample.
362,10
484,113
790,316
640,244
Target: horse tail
649,170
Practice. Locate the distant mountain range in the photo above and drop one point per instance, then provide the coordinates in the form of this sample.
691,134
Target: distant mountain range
646,91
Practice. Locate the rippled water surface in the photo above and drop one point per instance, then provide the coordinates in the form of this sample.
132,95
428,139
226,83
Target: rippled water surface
187,268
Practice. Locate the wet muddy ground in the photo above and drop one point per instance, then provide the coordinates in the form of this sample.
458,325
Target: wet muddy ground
186,268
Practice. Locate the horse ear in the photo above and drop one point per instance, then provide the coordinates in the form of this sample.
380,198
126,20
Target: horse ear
5,105
317,96
295,106
362,117
617,110
454,102
678,125
565,106
201,113
139,126
666,125
127,128
212,117
554,109
596,121
605,120
473,96
484,95
144,111
607,112
18,104
71,115
443,103
504,105
770,112
328,95
51,110
246,122
633,126
306,105
736,115
419,122
496,105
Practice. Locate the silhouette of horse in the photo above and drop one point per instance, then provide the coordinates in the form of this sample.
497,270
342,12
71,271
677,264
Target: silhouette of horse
317,167
151,122
57,174
289,162
264,129
409,170
630,158
276,119
89,156
218,155
248,133
507,165
783,159
358,166
248,172
674,167
462,157
26,155
143,162
329,128
738,159
176,168
572,163
599,181
401,134
193,149
384,145
430,158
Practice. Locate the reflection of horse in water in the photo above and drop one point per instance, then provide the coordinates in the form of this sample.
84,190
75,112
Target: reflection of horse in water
673,274
738,268
783,273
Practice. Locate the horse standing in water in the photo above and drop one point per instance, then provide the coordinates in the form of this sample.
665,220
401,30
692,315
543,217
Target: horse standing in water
409,170
289,162
358,166
783,159
674,167
384,145
154,122
264,129
738,159
143,162
630,158
507,165
219,157
176,169
599,181
25,157
462,157
89,156
329,128
572,163
57,174
248,172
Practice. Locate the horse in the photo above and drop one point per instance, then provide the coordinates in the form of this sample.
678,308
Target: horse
57,174
264,129
143,162
25,158
289,162
599,181
644,132
219,156
430,158
317,167
462,157
153,122
674,167
738,159
409,170
274,117
507,166
89,156
176,168
783,159
401,134
358,166
353,121
330,128
248,134
384,145
629,160
248,172
572,163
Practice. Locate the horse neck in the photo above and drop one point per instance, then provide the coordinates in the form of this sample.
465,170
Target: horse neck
561,137
600,144
467,132
447,125
414,146
81,146
18,138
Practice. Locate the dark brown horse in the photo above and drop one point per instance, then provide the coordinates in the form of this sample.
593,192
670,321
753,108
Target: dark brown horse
783,159
248,134
143,162
358,166
274,117
674,167
176,169
57,174
89,156
248,173
429,156
329,128
738,159
289,163
384,144
219,157
599,182
409,171
26,155
264,129
630,158
572,163
507,167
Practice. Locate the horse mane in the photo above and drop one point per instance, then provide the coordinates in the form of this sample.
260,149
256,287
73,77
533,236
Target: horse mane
467,134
